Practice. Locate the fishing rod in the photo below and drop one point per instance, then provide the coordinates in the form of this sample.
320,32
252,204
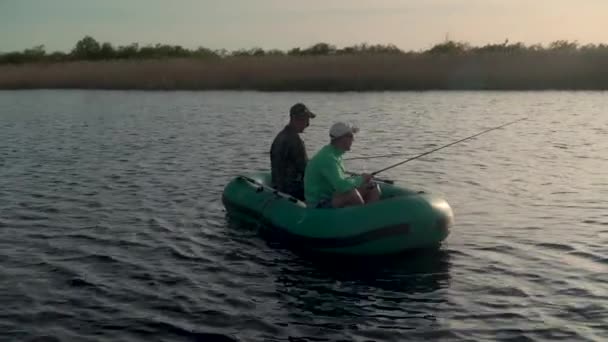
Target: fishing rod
377,156
442,147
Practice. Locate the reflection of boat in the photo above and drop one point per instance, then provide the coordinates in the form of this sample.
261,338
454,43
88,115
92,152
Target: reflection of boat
404,219
407,287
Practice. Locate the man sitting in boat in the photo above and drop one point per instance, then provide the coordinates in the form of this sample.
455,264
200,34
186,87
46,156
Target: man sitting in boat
288,156
325,182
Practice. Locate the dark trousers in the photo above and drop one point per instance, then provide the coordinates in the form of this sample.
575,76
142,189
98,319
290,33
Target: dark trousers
296,190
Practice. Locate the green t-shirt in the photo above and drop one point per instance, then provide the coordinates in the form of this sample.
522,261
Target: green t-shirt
325,176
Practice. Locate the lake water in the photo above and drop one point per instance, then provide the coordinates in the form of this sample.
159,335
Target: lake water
112,227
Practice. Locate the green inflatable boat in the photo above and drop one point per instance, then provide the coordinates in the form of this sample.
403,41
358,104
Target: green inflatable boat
404,219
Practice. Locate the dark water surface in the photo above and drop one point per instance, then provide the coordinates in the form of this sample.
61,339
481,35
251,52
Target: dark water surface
112,229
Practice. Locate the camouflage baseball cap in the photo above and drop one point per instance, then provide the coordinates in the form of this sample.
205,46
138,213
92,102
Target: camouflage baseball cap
300,109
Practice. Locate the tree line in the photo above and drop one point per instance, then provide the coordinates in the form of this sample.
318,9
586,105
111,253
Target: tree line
88,48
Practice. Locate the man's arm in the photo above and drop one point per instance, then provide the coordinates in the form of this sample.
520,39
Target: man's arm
295,158
299,153
334,175
278,157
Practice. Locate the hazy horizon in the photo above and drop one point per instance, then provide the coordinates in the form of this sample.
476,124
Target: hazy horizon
269,24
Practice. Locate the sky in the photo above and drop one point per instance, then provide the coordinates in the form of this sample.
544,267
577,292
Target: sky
411,25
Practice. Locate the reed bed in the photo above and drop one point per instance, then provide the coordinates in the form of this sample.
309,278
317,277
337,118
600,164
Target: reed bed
357,72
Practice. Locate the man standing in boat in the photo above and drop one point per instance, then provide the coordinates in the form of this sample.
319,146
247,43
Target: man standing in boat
325,182
288,156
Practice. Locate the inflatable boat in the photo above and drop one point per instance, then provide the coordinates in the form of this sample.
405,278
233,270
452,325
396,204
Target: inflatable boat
402,220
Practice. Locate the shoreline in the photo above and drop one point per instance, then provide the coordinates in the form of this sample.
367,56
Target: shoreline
304,91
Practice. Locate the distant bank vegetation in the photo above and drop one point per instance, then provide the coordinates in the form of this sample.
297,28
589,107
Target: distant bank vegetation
322,67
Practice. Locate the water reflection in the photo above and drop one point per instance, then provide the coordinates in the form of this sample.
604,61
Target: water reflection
338,286
337,293
378,298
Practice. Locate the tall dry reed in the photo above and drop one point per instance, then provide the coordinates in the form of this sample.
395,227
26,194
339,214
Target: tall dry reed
323,73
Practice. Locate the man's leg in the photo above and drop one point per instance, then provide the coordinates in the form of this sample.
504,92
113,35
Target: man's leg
295,190
347,199
299,193
370,192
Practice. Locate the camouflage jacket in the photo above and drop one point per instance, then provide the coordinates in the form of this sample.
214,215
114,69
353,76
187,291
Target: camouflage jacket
288,160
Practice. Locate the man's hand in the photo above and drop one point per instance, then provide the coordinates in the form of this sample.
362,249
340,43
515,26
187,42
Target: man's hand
367,178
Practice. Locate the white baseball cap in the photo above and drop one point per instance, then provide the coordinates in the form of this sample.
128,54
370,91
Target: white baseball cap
339,129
